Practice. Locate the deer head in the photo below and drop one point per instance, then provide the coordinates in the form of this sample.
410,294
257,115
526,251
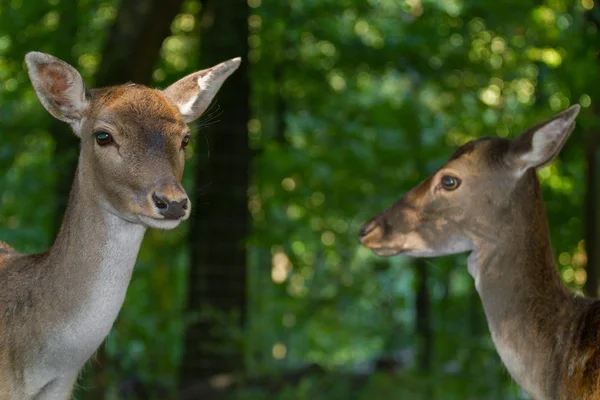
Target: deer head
476,196
132,137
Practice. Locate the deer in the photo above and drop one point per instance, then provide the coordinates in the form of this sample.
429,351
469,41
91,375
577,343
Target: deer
57,307
487,200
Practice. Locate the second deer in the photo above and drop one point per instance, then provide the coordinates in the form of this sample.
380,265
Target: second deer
487,200
57,307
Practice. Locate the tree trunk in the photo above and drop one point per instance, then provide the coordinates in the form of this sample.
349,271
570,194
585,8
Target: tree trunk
592,215
592,219
135,39
423,316
217,277
66,144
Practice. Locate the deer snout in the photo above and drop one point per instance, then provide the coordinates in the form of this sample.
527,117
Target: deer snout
370,234
171,201
170,209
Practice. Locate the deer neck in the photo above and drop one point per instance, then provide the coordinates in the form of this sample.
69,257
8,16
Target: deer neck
91,261
524,298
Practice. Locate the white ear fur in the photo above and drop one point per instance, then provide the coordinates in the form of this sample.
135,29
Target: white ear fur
538,146
192,95
59,87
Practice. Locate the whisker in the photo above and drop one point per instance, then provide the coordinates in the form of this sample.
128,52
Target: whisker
204,124
211,112
210,118
207,147
212,105
203,188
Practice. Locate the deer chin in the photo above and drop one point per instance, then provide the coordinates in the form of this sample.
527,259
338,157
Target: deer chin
145,220
410,244
387,251
158,223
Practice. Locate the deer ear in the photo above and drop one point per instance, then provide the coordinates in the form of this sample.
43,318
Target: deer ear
192,95
58,85
538,146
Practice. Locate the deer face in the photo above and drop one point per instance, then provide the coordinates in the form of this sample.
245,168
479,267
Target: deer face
132,137
438,216
133,155
471,198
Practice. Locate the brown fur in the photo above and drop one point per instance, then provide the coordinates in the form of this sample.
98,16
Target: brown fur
148,130
56,307
548,338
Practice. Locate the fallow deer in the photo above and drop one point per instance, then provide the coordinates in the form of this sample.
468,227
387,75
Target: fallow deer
57,307
487,200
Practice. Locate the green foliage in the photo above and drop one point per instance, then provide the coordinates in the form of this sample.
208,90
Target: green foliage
363,107
380,385
354,102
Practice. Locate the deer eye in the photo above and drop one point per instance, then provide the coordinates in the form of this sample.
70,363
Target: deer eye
185,141
450,182
103,138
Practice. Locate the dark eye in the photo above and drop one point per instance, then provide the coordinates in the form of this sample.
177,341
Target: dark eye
450,183
185,141
103,138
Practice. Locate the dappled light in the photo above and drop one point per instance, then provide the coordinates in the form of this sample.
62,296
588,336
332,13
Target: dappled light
352,103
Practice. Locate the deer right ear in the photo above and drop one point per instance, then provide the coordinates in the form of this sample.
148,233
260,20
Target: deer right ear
538,146
59,87
192,95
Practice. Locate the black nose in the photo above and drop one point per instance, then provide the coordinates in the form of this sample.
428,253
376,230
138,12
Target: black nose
367,228
170,209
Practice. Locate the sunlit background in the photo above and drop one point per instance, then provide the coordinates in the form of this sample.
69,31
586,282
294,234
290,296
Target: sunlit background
352,102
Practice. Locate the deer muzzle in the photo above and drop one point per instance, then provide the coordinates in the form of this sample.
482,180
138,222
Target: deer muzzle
371,235
170,201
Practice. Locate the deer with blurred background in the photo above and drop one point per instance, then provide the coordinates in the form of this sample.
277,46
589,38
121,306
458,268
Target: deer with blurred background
57,307
487,200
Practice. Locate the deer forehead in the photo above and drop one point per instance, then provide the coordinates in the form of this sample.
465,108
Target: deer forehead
135,109
479,156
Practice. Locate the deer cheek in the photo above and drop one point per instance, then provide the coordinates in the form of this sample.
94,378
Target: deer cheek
179,174
178,165
414,241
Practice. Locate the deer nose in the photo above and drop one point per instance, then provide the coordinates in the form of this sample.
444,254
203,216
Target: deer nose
370,232
169,208
367,228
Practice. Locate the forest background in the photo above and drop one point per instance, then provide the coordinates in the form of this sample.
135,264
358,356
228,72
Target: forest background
339,107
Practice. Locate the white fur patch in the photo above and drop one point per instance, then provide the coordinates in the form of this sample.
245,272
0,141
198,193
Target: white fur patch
513,362
88,329
472,267
187,109
192,103
73,343
204,81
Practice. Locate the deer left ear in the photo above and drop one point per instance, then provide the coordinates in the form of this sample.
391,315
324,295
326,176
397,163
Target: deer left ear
538,146
192,95
58,85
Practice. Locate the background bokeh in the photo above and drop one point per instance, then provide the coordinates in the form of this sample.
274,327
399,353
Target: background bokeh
339,108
